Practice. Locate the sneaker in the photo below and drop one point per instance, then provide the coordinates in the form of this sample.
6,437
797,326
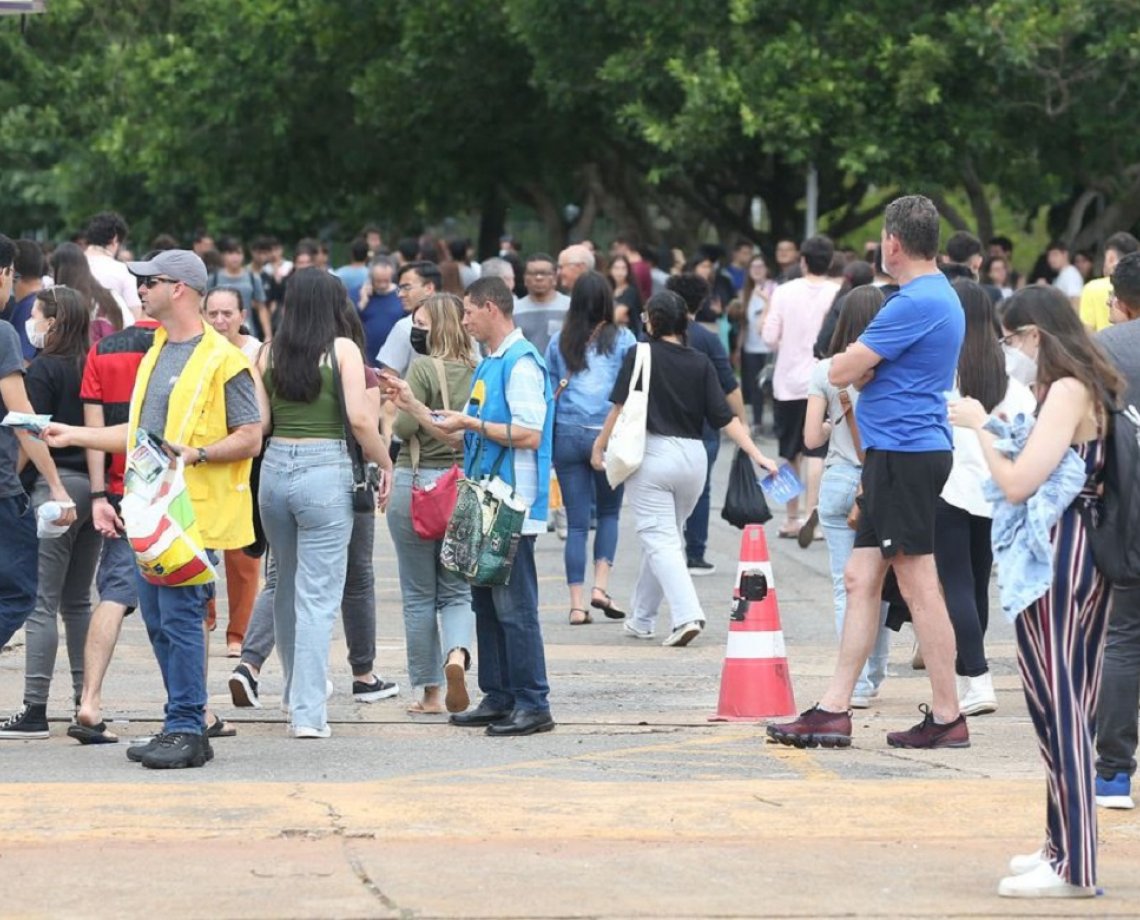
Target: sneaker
1042,882
365,691
329,689
1019,865
684,634
305,731
698,567
177,750
29,724
636,632
976,694
863,700
929,734
1115,792
814,728
136,752
243,688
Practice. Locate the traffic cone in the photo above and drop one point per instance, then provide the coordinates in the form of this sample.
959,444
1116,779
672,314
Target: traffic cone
755,682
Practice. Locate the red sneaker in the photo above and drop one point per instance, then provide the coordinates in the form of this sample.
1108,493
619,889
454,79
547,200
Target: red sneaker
929,734
814,728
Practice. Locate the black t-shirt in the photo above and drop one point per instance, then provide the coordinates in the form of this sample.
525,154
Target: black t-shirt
684,391
53,389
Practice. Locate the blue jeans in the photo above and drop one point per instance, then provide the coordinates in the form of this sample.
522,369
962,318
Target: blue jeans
512,661
175,621
306,509
836,498
582,485
697,526
437,602
19,564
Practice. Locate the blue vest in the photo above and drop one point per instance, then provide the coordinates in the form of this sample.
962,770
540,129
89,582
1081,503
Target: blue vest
491,378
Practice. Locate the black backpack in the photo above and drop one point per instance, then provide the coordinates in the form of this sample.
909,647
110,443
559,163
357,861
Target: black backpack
1113,520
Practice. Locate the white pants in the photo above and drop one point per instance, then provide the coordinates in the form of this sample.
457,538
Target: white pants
662,494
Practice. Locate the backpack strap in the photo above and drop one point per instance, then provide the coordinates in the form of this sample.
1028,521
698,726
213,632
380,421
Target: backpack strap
849,415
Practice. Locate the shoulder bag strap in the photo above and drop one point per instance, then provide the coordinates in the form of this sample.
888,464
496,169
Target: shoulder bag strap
849,414
355,454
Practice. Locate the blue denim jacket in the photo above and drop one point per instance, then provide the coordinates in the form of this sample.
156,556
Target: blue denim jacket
586,399
1020,535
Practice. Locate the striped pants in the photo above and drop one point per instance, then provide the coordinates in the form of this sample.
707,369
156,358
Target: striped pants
1060,643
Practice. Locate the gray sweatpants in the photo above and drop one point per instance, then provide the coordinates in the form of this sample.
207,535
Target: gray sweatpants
66,569
1119,686
662,495
357,605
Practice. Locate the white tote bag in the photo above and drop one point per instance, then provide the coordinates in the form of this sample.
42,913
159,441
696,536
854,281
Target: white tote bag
626,448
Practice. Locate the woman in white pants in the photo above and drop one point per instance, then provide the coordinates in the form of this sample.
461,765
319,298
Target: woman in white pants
683,392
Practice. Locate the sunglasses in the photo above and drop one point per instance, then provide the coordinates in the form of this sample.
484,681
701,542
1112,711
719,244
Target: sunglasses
154,280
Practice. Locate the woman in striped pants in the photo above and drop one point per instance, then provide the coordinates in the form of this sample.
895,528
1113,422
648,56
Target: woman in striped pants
1060,637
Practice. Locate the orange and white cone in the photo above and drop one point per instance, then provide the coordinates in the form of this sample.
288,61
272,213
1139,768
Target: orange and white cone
755,682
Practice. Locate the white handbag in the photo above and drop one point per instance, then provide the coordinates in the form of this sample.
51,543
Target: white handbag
626,448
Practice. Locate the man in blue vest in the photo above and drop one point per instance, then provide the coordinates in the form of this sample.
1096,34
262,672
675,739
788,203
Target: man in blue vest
511,407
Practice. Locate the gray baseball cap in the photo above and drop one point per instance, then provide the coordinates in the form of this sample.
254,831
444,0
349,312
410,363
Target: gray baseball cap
178,264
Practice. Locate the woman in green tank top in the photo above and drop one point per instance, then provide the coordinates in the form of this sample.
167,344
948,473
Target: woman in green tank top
437,603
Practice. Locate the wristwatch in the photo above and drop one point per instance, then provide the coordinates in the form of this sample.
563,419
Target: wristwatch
202,457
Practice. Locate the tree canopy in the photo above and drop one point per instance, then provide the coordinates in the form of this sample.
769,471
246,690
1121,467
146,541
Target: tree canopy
668,116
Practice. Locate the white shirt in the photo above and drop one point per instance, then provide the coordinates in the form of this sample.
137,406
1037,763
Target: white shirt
397,351
963,488
1069,282
116,278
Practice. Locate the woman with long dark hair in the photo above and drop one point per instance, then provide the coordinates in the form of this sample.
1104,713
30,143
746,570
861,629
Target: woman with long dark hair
584,359
306,481
59,326
1060,635
962,549
754,351
831,419
69,266
684,392
627,299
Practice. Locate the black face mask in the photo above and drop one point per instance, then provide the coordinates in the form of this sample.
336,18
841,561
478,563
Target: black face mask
419,340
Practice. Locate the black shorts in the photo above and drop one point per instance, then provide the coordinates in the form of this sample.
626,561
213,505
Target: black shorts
788,416
899,500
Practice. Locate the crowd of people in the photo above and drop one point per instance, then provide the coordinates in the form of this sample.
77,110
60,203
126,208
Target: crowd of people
287,387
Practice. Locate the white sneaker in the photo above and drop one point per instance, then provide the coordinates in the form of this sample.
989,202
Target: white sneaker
684,634
1041,882
864,700
636,632
1019,865
329,688
304,731
976,694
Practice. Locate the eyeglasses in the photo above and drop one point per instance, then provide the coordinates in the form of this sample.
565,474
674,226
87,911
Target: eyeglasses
154,280
1020,331
405,287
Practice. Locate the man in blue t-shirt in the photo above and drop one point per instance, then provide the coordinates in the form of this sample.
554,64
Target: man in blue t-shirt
904,365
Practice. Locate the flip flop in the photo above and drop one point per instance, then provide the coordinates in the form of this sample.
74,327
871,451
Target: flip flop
417,709
220,728
607,607
91,734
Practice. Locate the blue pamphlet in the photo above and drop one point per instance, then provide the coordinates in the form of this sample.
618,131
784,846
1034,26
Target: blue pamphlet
781,486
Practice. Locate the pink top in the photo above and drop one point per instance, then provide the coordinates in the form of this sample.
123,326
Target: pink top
790,330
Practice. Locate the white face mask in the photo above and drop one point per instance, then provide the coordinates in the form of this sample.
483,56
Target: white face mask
1020,366
35,339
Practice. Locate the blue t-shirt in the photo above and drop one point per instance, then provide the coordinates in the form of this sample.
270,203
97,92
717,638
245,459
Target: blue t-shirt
353,277
21,313
379,315
918,334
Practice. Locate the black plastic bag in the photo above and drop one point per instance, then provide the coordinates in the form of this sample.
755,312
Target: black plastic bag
744,503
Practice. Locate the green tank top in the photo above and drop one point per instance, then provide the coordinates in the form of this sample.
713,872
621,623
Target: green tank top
319,419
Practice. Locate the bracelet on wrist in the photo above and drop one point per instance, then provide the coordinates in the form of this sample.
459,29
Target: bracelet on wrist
100,494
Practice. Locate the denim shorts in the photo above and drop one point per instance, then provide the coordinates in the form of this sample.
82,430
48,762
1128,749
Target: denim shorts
116,579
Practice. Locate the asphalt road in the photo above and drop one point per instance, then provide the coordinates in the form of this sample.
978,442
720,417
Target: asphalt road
636,805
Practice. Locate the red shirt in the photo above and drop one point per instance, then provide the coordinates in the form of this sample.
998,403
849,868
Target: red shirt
109,379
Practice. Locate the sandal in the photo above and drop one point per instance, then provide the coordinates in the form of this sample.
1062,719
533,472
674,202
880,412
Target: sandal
607,606
790,530
220,728
585,619
91,734
808,531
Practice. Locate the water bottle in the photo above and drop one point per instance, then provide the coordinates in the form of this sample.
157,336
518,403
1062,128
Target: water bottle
46,517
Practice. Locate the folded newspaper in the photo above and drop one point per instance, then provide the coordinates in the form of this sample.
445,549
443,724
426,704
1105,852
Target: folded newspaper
26,420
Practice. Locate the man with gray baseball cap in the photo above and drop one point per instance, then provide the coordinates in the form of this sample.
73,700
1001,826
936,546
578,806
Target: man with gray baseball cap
175,264
197,392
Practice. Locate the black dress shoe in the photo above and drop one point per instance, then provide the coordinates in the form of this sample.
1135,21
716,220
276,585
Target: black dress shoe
479,716
523,722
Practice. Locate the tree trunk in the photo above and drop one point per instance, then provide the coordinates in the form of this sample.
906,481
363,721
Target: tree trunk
979,201
492,223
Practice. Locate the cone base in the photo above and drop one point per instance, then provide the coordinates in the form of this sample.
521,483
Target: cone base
752,690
